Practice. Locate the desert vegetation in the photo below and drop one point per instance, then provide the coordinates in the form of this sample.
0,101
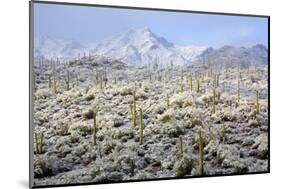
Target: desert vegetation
101,120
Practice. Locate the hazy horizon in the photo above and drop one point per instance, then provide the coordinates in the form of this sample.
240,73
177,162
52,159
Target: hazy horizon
92,24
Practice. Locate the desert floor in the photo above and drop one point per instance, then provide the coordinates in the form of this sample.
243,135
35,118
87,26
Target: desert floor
234,135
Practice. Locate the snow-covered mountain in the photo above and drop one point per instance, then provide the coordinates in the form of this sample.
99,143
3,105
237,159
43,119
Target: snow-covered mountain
142,46
136,46
51,48
257,54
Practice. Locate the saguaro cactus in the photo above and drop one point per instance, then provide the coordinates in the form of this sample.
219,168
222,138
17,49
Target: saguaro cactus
218,80
132,167
50,81
168,101
67,81
181,85
190,82
257,103
180,147
238,85
55,85
214,101
77,80
201,155
95,128
133,110
38,142
198,84
141,127
223,133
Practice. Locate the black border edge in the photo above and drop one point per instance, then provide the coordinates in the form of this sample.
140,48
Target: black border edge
268,87
31,45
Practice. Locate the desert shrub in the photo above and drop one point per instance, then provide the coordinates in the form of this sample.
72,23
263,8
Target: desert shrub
184,166
88,114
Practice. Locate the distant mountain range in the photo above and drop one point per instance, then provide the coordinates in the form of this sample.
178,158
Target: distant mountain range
257,54
141,46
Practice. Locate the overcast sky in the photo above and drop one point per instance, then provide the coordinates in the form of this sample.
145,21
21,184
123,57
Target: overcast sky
92,24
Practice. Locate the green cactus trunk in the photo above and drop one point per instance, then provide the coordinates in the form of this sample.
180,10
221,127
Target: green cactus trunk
55,85
180,147
133,110
168,101
50,81
190,82
38,142
201,155
223,133
198,85
214,102
218,80
181,87
77,80
95,129
67,81
141,127
257,103
132,167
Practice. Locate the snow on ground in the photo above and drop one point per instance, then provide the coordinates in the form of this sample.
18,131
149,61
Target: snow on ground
234,136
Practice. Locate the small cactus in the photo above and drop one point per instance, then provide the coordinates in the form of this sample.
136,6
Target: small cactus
214,101
190,82
198,85
218,80
168,101
257,103
95,128
55,85
238,86
181,85
223,133
67,81
141,127
38,142
180,147
133,110
77,80
132,167
201,155
50,81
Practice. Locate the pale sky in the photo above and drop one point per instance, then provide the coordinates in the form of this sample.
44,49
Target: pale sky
92,24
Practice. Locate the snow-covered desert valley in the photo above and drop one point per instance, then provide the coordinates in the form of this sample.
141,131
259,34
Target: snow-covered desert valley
136,106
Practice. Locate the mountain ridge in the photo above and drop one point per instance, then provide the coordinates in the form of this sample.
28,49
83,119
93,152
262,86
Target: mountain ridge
142,46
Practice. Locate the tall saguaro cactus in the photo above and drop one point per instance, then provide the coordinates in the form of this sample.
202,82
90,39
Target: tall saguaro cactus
218,80
180,147
168,101
214,101
133,110
50,81
257,103
95,128
54,85
38,142
67,81
141,127
198,84
132,167
201,155
190,82
223,133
